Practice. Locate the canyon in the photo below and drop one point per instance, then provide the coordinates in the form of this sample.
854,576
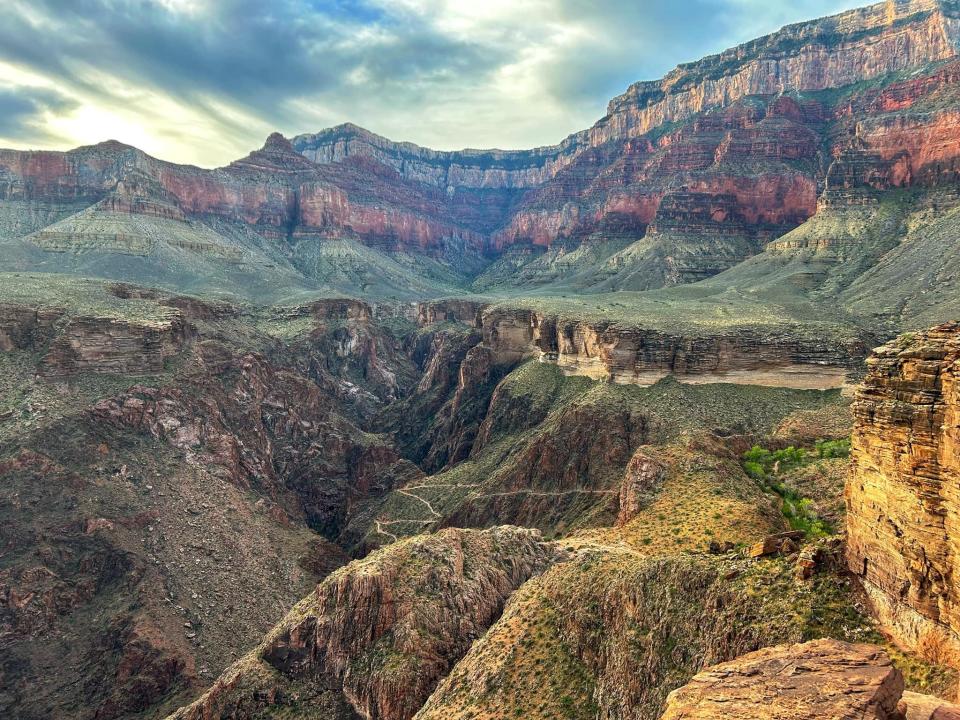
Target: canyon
657,422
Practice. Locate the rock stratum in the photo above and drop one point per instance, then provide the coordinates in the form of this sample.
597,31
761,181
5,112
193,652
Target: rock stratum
900,498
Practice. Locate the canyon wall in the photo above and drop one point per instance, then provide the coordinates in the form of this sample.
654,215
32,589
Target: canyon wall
903,506
832,52
602,349
683,178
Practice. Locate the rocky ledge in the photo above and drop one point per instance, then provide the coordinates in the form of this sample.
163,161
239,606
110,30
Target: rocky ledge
819,679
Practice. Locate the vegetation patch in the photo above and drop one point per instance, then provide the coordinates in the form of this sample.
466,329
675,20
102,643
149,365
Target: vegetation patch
769,468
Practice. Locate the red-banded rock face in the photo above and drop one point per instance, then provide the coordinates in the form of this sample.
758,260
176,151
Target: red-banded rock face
704,167
902,504
709,163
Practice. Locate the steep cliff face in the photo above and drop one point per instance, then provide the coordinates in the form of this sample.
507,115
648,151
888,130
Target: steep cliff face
104,345
832,52
374,638
636,355
901,495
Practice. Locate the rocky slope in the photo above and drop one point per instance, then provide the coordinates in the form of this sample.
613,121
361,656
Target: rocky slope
901,507
375,637
170,468
224,459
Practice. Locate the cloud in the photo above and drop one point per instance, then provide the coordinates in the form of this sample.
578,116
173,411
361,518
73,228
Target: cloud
23,111
205,80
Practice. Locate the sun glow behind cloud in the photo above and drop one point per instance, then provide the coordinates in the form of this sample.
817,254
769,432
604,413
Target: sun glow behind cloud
204,81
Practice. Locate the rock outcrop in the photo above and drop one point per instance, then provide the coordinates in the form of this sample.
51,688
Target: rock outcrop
822,678
605,349
25,328
114,346
902,505
377,636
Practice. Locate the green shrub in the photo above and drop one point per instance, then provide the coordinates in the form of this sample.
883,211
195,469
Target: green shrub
755,470
827,449
764,466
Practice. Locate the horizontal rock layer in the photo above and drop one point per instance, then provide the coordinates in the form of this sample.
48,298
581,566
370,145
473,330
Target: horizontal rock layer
903,508
643,356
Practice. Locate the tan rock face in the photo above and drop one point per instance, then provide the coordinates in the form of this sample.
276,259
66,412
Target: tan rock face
603,350
819,679
903,506
463,311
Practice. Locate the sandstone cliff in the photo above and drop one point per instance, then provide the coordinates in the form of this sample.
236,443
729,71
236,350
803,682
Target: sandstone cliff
901,500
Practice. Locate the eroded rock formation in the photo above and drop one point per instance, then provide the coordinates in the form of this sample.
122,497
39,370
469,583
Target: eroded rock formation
604,349
377,636
902,504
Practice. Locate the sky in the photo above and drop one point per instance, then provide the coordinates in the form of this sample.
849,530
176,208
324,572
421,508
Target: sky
205,81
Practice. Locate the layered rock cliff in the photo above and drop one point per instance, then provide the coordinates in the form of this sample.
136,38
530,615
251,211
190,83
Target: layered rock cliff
642,356
901,496
682,179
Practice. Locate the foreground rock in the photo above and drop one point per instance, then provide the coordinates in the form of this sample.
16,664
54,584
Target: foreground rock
377,635
819,679
902,494
924,707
